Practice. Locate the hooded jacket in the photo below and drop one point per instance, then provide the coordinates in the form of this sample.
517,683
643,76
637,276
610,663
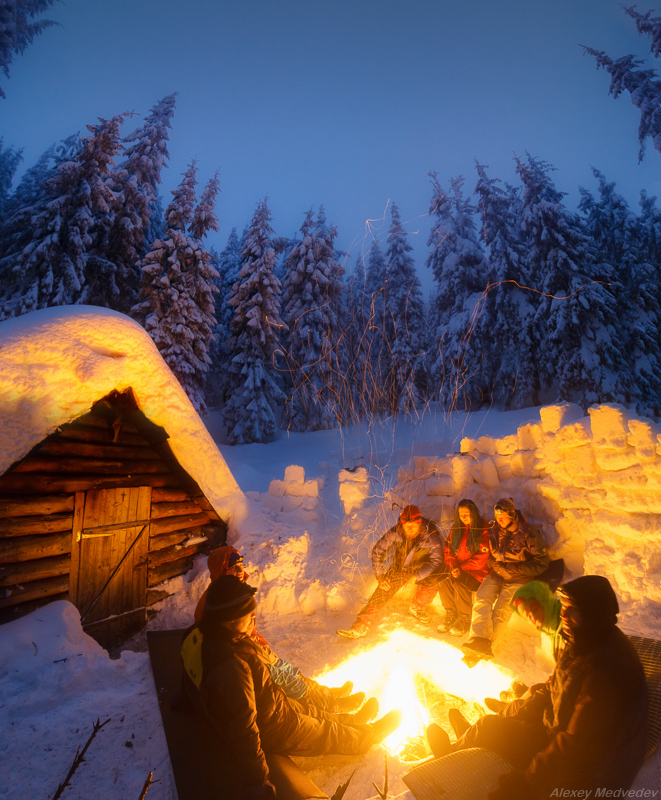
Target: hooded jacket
596,709
418,557
519,554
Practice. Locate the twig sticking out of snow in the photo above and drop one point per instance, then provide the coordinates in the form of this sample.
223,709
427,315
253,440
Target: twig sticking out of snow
338,794
383,793
79,758
149,782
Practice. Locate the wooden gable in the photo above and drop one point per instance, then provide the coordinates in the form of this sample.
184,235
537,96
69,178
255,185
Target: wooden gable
100,512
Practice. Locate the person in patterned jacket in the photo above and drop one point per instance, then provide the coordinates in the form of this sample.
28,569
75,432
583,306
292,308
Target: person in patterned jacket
517,554
466,557
414,547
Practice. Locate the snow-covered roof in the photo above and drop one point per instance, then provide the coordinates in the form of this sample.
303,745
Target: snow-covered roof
57,362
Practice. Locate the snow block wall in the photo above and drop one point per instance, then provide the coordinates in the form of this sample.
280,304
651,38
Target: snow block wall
591,483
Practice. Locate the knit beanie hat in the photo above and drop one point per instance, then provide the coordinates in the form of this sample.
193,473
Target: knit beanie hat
228,598
594,597
410,514
506,505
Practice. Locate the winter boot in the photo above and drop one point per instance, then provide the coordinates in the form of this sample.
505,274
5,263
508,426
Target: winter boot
449,620
461,626
357,631
478,645
341,691
458,721
419,612
438,740
383,727
350,704
495,705
368,712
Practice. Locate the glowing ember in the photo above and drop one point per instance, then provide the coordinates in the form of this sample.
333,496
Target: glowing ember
416,675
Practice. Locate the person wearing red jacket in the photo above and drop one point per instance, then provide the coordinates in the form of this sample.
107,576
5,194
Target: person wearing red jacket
466,557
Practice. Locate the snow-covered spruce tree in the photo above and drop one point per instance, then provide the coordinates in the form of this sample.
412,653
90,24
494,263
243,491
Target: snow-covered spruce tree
16,30
9,161
135,183
226,264
619,240
252,392
577,316
175,302
67,224
376,282
643,85
26,202
404,318
311,309
506,326
358,338
460,273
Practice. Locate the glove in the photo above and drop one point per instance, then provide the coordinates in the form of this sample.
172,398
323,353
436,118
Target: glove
259,791
384,583
511,786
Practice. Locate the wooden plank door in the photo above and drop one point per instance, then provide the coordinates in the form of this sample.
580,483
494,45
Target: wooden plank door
109,587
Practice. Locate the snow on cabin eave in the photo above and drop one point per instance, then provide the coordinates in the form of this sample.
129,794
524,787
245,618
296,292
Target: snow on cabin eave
56,363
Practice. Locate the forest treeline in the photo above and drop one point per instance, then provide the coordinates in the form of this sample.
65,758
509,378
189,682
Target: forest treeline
531,302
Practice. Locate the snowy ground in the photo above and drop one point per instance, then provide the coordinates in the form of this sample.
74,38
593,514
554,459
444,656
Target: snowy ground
310,562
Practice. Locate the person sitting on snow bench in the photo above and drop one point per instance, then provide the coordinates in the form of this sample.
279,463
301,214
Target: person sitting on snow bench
517,555
228,683
587,729
466,557
228,560
416,547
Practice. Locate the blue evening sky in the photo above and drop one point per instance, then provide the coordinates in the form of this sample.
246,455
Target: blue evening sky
349,103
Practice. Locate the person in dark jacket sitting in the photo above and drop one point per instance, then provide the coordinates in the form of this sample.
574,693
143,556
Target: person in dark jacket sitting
517,555
466,557
587,729
416,548
228,683
227,560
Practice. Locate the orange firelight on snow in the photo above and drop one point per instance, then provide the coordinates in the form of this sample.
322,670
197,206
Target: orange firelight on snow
421,677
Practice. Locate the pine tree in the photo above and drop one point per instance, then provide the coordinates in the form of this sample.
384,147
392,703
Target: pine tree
459,269
9,161
619,240
65,224
643,85
175,303
404,315
379,352
16,30
505,328
359,373
252,389
577,316
311,310
135,182
27,202
226,265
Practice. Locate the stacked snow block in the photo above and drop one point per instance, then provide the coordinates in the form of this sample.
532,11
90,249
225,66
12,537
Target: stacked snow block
355,488
293,492
592,483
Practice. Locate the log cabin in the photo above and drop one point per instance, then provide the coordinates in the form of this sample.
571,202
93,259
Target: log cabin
103,505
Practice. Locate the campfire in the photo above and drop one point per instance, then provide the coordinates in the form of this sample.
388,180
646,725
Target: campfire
423,678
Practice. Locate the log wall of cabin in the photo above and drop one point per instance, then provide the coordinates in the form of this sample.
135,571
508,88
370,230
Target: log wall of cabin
37,506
